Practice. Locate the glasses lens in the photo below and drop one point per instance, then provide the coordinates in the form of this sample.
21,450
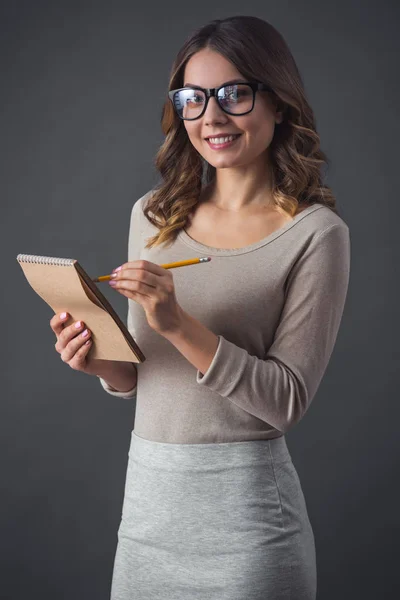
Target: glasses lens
236,99
189,103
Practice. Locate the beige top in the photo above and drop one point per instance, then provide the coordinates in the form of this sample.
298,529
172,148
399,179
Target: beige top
276,306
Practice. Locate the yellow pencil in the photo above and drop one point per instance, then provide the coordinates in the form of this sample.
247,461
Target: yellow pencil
179,263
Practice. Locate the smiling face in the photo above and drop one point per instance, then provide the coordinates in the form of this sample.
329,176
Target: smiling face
209,69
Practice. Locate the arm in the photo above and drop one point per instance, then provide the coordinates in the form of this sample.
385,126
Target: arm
279,388
120,379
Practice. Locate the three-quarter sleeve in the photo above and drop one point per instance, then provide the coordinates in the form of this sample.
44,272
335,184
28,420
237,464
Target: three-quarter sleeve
134,243
280,387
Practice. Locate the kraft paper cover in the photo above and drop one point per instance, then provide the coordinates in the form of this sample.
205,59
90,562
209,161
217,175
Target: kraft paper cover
67,287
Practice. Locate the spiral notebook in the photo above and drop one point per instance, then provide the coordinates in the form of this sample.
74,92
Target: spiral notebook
65,286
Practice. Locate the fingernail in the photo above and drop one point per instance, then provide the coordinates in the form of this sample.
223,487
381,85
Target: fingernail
78,324
63,315
117,269
111,282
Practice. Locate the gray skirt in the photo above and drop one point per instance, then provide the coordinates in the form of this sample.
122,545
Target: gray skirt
220,521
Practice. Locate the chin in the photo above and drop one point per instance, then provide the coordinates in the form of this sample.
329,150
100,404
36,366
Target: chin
225,163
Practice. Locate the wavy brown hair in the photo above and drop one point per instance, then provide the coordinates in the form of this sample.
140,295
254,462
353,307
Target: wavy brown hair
259,53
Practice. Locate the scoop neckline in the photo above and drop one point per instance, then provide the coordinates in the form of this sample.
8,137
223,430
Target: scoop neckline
189,241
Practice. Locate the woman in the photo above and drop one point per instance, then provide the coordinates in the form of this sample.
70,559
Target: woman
235,348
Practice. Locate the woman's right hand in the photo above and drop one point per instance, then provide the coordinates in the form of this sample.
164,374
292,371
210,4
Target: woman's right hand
73,345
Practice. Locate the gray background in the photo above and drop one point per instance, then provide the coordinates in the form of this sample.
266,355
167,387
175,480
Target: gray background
82,89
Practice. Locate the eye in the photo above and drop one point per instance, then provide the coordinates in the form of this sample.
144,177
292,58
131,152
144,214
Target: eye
235,93
196,98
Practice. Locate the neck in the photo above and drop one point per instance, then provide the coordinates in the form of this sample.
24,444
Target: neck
243,188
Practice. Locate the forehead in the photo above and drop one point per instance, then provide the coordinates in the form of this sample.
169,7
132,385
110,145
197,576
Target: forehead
209,69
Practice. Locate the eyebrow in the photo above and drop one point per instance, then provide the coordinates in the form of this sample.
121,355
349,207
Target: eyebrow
226,83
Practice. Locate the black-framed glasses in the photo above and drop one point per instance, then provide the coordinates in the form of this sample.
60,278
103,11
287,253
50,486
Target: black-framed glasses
234,98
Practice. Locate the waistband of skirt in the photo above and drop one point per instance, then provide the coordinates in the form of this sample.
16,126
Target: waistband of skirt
208,456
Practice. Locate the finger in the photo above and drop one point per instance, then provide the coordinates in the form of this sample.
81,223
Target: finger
67,334
135,296
68,354
78,360
145,265
133,286
57,322
139,275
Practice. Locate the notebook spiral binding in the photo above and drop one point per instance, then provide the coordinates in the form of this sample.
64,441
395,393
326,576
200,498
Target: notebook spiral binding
45,260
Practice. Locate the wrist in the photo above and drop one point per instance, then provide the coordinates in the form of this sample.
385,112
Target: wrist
181,330
119,375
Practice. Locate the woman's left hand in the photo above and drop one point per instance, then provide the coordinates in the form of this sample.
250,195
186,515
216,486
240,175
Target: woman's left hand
153,288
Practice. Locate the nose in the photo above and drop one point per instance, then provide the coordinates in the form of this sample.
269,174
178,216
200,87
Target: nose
214,113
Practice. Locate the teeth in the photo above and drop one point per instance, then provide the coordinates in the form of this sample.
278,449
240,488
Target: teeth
223,140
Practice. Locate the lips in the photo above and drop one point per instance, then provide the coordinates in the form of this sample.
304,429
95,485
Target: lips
223,145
